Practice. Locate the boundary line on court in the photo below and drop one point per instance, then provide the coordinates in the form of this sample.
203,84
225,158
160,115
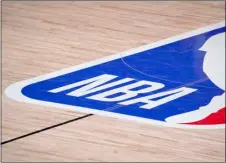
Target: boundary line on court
46,128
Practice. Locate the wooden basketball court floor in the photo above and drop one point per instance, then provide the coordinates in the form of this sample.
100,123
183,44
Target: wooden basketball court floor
41,37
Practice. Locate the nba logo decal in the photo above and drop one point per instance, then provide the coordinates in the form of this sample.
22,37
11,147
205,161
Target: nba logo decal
177,82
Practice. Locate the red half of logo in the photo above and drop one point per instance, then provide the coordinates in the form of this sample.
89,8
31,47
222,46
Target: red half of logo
213,119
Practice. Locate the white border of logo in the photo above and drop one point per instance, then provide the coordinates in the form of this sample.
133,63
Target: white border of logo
14,90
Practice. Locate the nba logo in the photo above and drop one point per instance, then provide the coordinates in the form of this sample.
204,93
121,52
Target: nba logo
177,82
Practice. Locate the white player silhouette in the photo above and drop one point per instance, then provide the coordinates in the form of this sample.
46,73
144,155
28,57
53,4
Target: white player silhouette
214,68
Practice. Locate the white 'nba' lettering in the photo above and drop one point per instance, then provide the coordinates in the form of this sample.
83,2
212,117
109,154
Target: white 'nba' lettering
125,92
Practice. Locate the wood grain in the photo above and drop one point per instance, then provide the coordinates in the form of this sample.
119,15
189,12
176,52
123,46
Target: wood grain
42,37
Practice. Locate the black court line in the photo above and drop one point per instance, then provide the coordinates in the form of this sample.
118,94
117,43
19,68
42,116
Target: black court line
47,128
59,124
